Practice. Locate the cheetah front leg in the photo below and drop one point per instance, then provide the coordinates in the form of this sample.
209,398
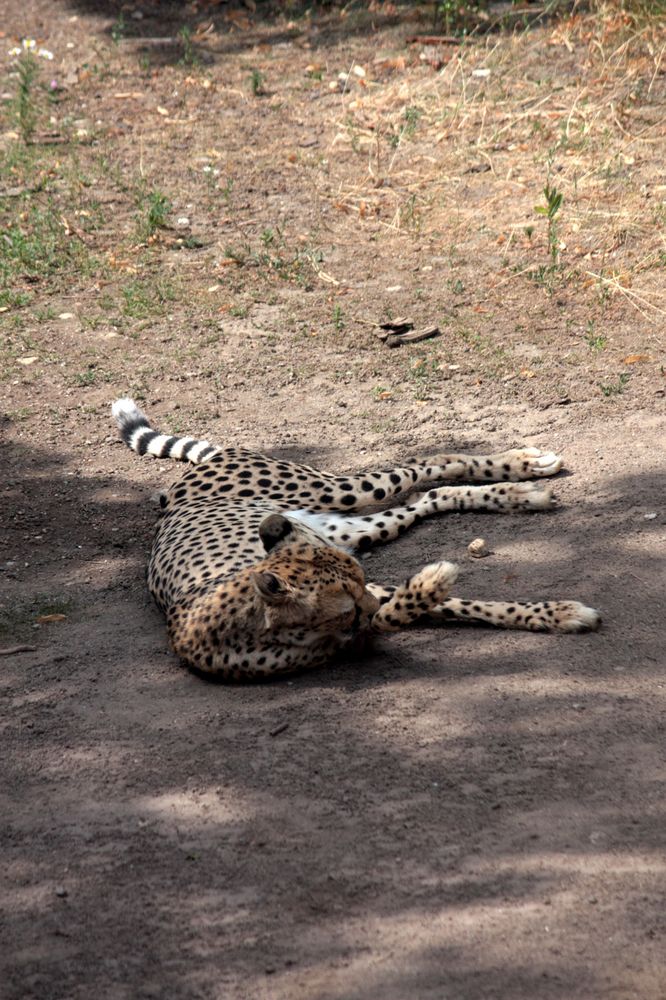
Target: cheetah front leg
530,616
418,596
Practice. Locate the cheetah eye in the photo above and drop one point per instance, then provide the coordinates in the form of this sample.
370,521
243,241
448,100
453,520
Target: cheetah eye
270,587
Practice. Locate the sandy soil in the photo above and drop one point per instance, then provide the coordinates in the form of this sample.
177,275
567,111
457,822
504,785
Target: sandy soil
461,813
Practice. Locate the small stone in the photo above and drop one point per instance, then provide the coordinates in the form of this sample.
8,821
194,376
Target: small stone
61,892
478,548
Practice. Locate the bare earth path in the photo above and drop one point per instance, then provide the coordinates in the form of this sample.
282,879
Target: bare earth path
462,813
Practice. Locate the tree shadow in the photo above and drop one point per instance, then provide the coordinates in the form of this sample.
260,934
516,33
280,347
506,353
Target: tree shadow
166,31
458,811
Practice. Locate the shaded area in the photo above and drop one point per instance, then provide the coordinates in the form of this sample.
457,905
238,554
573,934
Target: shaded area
170,31
428,819
173,32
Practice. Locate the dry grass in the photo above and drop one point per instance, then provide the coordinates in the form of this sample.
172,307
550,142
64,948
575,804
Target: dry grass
468,149
324,204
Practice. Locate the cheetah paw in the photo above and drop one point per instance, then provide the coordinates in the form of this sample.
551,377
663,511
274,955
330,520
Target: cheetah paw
542,463
572,616
529,463
530,495
433,583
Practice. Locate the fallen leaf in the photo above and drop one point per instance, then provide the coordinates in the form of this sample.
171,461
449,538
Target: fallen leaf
393,64
44,619
632,359
527,373
161,110
66,316
28,361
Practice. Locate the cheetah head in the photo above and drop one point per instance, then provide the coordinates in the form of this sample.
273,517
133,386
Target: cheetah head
309,588
292,610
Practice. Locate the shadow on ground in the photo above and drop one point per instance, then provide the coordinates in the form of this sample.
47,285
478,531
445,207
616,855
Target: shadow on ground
419,820
167,31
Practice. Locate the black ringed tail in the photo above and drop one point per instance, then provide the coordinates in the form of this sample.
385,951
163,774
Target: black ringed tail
136,432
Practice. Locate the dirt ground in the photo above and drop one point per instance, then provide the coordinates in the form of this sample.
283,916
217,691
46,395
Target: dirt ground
214,225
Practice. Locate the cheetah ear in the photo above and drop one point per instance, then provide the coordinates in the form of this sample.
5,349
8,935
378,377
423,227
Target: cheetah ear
270,587
273,529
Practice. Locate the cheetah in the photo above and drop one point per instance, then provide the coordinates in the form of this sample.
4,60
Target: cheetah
252,562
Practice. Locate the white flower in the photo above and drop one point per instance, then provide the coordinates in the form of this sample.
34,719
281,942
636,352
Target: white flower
30,45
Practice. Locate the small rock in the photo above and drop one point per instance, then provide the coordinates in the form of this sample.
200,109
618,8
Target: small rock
61,892
478,548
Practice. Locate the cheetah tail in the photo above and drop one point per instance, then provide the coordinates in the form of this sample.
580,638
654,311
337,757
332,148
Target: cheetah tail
136,432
